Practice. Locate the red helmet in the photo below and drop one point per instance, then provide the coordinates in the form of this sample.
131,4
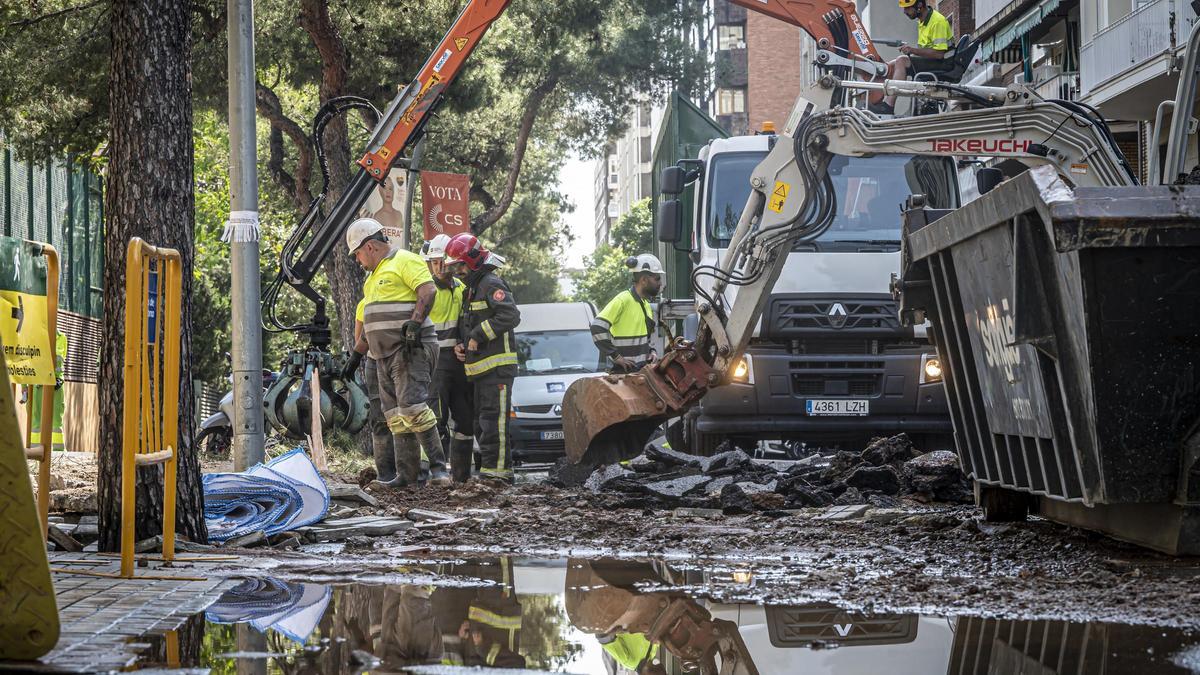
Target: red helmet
464,247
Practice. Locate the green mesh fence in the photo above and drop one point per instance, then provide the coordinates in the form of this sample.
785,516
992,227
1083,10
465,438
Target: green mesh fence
59,203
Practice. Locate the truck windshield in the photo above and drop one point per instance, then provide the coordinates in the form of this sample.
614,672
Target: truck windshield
870,193
557,351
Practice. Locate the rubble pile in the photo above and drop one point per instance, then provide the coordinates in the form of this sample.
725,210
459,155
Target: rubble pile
885,471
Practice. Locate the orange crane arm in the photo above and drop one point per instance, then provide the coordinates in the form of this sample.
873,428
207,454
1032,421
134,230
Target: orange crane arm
833,20
438,72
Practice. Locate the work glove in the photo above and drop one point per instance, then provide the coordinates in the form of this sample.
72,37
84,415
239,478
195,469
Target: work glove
411,333
352,361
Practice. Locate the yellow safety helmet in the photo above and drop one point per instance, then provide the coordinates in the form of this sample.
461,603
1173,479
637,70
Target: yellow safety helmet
905,4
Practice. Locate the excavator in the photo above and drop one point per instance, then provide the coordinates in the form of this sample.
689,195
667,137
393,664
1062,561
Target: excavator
792,201
288,402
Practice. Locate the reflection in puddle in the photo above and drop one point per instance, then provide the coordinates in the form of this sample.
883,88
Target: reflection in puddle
620,617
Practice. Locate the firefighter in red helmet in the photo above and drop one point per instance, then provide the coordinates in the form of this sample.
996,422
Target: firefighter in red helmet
488,348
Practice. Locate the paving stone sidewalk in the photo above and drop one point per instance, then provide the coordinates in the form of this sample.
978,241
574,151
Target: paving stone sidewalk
102,617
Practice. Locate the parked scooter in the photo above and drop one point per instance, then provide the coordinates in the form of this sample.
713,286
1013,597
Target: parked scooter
215,435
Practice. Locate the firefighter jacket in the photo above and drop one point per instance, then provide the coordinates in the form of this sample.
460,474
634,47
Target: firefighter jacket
445,312
489,316
624,327
389,298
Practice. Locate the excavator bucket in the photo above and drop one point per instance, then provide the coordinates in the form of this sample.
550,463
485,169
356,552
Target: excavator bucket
610,418
29,623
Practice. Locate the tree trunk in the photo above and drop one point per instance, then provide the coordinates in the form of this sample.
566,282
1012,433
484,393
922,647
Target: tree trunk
148,195
345,276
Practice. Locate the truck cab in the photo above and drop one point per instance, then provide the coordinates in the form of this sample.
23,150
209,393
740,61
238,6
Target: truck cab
830,361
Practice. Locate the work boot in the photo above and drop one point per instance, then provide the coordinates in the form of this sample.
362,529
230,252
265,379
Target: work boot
462,453
431,443
392,484
385,458
408,457
423,474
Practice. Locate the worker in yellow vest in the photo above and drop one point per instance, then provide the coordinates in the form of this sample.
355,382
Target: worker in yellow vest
60,358
935,37
452,393
398,294
623,329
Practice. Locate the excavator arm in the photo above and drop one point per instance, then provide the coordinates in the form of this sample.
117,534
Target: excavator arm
290,401
792,200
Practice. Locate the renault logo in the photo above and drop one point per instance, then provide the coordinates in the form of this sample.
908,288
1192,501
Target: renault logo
557,410
837,315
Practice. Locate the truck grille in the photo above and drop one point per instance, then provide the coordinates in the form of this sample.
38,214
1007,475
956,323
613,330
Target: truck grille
802,626
856,385
800,315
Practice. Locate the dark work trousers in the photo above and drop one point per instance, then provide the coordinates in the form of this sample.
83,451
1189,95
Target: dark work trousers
452,401
381,437
493,401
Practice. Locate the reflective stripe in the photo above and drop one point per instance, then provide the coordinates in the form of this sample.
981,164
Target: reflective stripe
379,307
487,330
502,459
447,343
445,325
490,618
630,342
492,654
494,361
478,305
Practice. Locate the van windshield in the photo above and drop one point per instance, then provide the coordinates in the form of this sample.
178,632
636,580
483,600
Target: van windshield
557,351
870,193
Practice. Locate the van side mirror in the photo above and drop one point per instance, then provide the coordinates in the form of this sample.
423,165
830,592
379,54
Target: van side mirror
667,220
672,181
987,178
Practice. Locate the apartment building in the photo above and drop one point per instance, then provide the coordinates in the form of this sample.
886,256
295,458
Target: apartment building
622,174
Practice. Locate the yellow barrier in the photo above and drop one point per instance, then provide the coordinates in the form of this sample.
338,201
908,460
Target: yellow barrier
40,454
150,409
29,621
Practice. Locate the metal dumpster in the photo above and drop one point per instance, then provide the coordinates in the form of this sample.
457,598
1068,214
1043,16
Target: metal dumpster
1068,322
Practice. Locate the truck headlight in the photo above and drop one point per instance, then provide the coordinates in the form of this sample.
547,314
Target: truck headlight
743,371
931,370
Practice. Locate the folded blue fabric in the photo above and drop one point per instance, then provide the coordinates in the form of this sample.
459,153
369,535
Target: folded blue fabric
286,493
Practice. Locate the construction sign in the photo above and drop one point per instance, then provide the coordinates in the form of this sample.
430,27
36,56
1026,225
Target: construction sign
446,204
24,318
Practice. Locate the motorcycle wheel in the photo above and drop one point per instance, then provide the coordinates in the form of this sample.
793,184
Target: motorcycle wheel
215,442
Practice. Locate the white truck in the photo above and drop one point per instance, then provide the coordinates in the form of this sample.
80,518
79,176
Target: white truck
830,361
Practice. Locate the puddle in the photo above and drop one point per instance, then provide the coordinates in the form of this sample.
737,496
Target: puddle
595,616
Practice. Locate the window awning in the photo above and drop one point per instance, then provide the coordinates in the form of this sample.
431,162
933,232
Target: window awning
1014,30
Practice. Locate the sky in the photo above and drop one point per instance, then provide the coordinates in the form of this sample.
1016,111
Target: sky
575,181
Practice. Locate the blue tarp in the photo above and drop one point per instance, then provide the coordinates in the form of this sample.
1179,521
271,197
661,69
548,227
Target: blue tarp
283,494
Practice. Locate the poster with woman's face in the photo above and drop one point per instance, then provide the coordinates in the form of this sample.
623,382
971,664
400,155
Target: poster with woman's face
386,204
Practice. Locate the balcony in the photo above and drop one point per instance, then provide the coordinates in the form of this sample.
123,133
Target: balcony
1137,39
1064,86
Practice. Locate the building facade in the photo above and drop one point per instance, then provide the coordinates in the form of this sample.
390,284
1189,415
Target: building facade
622,174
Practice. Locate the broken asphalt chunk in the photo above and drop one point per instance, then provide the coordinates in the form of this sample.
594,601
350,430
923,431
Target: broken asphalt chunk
604,475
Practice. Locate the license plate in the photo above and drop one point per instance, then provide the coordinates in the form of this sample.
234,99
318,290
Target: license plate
838,407
552,435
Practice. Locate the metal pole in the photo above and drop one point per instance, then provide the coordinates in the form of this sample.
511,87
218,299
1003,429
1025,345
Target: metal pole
410,183
242,233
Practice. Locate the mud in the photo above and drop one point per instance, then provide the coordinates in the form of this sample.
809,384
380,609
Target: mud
911,558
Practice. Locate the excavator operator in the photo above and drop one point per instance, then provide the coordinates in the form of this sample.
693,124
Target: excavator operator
934,39
397,295
622,330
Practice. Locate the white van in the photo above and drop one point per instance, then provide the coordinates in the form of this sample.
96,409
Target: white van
554,348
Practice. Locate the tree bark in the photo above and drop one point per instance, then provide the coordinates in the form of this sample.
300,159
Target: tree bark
345,276
498,208
148,195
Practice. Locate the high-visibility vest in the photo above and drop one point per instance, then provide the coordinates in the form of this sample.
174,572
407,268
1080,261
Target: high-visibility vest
389,298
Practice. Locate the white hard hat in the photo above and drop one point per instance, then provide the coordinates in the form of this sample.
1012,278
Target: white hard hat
645,263
435,249
360,231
